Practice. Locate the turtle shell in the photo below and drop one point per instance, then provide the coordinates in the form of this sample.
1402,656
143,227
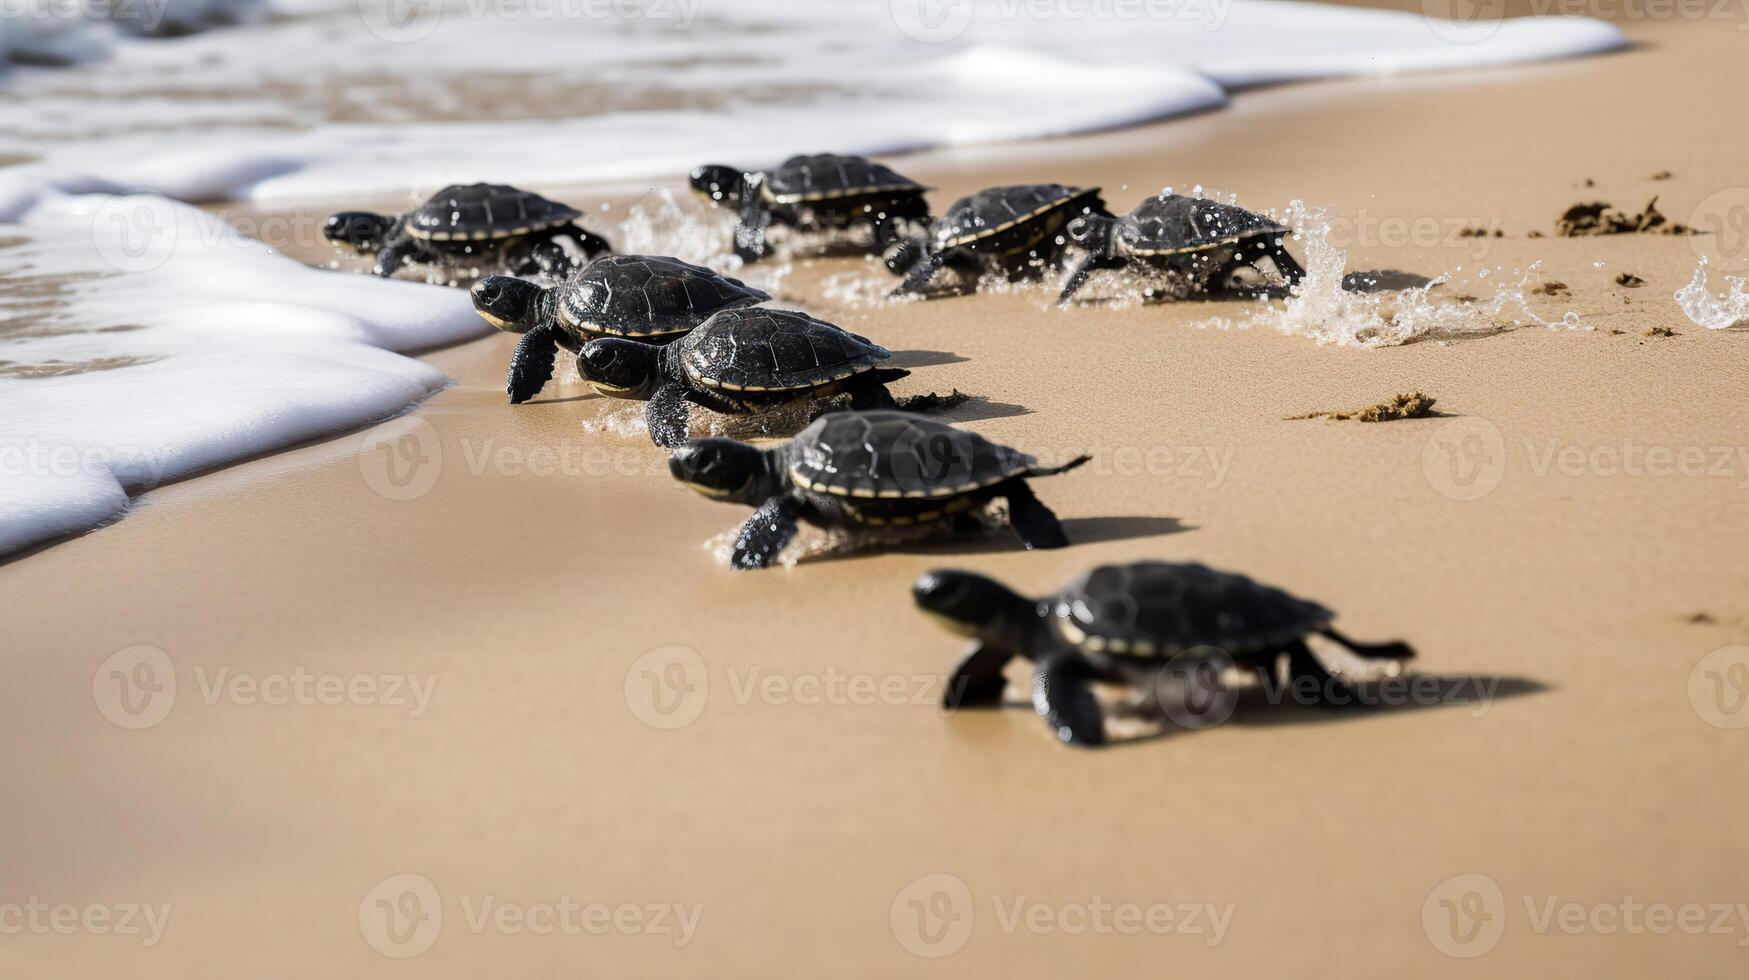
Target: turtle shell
1156,608
897,455
1170,223
994,210
649,296
828,175
773,350
476,212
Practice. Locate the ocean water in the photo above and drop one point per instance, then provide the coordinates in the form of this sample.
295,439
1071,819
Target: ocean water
143,340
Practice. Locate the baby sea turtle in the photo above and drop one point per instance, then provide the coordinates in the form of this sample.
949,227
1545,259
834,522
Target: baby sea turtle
739,362
867,469
1009,229
510,229
1125,624
1201,244
824,192
648,298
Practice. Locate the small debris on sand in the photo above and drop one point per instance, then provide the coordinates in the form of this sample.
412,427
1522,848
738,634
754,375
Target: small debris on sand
1590,183
1699,618
1554,287
1661,332
1414,405
1480,233
1599,218
1663,175
1535,234
1629,280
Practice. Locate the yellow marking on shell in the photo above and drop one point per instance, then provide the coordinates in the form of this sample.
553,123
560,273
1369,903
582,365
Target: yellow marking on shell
803,197
1187,249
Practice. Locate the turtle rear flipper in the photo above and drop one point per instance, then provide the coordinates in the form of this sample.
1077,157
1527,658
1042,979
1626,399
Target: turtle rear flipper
766,533
1311,679
531,367
1062,696
977,681
918,279
668,415
1034,523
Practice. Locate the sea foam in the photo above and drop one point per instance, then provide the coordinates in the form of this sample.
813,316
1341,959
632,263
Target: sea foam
145,360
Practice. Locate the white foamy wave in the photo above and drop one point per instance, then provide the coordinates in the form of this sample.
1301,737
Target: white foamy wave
1322,309
350,103
146,342
57,33
1715,311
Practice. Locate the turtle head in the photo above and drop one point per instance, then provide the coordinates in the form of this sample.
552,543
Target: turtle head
718,184
974,605
724,469
360,231
1092,231
508,303
620,368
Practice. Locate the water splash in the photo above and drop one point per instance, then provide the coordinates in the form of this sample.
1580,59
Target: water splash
1322,310
1715,312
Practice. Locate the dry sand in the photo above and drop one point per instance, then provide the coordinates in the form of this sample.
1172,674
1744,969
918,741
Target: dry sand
531,598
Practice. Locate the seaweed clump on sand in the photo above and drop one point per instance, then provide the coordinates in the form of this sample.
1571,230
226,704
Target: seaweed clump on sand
1413,405
1601,218
1629,280
1661,332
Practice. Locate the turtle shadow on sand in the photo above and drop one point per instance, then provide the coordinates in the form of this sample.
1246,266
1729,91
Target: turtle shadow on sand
995,538
1254,706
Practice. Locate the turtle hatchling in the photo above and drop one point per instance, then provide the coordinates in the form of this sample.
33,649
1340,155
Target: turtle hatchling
494,225
646,298
824,192
739,362
1015,230
1203,246
867,470
1128,625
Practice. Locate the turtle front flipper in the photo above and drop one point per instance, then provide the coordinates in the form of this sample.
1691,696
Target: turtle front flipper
1034,523
1063,698
750,232
918,279
1083,271
593,245
977,680
395,255
766,533
1313,683
668,415
531,367
869,393
1396,650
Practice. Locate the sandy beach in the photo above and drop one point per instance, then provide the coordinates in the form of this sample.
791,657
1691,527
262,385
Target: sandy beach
467,693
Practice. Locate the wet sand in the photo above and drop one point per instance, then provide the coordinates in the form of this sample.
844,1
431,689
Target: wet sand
537,597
